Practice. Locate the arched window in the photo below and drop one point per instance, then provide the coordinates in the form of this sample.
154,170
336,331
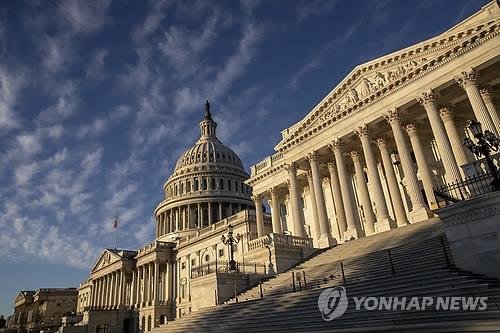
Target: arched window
188,186
221,184
204,184
149,323
229,184
182,188
196,184
236,186
176,191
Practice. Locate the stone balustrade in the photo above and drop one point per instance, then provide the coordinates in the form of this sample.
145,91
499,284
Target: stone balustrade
279,240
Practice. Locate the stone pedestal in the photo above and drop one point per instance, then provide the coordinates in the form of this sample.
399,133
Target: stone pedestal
473,231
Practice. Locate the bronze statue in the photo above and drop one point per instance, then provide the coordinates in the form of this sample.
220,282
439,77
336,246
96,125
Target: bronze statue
208,115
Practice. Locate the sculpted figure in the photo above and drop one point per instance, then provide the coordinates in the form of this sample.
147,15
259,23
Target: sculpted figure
380,79
367,87
352,96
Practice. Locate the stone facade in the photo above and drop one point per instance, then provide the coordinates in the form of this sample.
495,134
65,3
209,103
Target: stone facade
42,309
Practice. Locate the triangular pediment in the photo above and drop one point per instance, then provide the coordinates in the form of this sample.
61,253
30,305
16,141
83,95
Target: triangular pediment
107,258
372,80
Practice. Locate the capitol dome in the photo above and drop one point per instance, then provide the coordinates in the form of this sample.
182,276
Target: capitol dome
207,185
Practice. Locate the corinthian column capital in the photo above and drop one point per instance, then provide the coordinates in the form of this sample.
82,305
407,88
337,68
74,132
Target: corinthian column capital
256,197
466,78
486,92
291,168
312,156
380,142
336,144
354,154
392,116
331,166
411,129
445,113
362,131
427,97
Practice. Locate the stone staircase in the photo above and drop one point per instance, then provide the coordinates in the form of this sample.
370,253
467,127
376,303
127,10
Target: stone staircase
409,261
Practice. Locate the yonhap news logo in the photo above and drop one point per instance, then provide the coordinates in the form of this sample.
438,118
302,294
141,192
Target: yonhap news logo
333,303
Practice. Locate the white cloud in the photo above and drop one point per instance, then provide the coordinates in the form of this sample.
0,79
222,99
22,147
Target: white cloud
24,173
237,63
183,48
65,104
152,21
29,143
84,16
11,83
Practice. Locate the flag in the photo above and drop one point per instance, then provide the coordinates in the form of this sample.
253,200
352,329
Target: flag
115,223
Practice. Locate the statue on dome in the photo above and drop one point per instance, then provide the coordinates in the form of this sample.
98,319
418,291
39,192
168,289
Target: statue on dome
208,115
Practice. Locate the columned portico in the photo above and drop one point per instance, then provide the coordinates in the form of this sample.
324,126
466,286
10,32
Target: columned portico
487,95
337,198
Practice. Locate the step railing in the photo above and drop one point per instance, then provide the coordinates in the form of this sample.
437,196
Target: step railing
302,279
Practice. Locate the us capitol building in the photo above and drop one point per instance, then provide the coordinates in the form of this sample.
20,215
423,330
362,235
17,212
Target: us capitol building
366,159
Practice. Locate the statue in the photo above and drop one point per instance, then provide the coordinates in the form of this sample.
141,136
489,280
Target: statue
208,115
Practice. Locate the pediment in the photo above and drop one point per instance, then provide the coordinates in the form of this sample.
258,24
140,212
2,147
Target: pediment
106,259
370,81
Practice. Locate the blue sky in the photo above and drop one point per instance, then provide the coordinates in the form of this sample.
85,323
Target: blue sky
98,99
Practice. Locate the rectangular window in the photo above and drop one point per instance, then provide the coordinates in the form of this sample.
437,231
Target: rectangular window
213,183
193,262
229,184
221,253
221,184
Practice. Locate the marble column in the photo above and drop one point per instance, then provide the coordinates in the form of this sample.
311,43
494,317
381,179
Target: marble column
132,288
298,221
210,215
363,195
384,221
353,230
418,211
392,184
202,216
468,81
275,211
259,217
325,239
487,95
457,145
337,198
156,275
314,207
452,173
422,166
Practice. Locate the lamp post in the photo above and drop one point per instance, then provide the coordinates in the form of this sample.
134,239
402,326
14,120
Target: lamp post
268,243
486,143
231,241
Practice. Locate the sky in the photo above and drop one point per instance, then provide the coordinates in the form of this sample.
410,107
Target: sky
99,98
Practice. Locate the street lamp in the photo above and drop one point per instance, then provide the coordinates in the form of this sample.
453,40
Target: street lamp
486,143
231,241
268,243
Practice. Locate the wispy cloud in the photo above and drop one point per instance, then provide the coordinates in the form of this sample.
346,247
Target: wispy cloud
84,16
11,83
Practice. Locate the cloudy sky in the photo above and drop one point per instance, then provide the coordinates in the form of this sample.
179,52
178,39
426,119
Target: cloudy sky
99,98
